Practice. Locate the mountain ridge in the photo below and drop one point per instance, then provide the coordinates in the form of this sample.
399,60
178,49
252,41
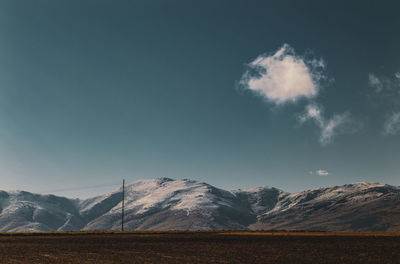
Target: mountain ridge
165,204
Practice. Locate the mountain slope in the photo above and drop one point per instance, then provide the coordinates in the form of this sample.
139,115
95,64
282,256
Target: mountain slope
23,211
166,204
171,204
359,206
261,199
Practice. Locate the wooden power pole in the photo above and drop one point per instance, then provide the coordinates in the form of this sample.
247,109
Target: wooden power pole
123,205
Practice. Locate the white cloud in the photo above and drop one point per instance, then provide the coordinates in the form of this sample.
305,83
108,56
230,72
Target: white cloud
321,172
284,76
397,75
312,112
392,124
329,128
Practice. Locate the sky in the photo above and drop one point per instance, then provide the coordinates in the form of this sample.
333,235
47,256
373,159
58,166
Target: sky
238,94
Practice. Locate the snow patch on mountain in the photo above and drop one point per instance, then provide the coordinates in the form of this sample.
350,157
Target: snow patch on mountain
354,192
144,196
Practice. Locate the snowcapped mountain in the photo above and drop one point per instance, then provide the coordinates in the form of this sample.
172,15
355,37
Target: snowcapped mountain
24,211
166,204
359,206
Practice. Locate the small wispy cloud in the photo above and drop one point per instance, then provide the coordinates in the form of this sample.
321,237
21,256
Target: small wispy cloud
283,76
329,128
375,82
387,94
385,84
322,172
392,124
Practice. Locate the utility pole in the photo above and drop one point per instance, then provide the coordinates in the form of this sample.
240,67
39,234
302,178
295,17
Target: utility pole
123,205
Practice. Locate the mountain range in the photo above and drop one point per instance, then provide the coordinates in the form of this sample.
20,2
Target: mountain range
168,204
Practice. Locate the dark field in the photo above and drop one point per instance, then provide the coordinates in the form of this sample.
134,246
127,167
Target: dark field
201,247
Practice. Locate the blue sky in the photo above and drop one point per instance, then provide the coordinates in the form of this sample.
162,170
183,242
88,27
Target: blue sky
238,94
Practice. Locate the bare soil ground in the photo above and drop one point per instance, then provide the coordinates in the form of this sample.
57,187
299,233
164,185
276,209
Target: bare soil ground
200,247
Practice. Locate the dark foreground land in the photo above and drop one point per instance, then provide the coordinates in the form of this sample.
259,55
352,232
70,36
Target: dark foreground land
200,247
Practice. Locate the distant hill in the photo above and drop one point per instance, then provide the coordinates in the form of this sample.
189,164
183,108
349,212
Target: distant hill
167,204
